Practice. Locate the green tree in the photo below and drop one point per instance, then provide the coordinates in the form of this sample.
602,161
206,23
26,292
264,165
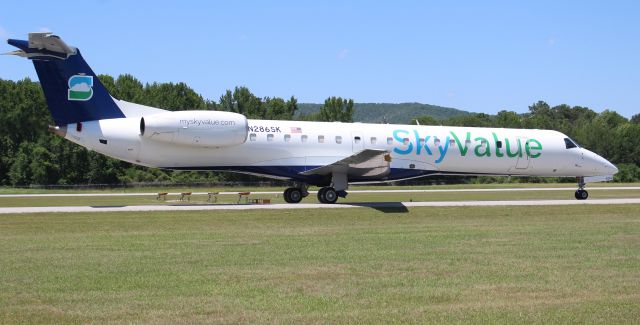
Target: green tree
427,120
44,168
275,108
247,103
292,107
227,103
20,171
170,96
337,109
540,116
507,119
471,120
626,142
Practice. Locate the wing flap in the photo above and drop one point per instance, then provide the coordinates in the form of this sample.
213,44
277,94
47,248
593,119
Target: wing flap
366,163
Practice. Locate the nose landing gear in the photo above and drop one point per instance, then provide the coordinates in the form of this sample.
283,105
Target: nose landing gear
581,193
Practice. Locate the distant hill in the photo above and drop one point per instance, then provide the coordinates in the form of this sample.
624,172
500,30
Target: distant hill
402,113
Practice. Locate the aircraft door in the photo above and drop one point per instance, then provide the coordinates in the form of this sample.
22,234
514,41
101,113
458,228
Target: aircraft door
523,159
357,141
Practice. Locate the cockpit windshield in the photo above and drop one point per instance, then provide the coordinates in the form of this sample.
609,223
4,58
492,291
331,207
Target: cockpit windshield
570,143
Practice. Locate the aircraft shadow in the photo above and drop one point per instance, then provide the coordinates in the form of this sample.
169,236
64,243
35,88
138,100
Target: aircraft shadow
386,207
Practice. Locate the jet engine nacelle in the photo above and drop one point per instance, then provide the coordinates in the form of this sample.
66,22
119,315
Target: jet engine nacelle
196,128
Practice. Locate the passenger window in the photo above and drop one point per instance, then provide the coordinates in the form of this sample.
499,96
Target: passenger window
405,141
568,143
373,140
338,139
421,142
356,140
269,137
304,138
389,140
499,144
436,141
287,138
452,142
252,137
321,139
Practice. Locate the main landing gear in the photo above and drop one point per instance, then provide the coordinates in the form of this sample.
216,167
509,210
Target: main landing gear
327,195
296,194
330,194
581,193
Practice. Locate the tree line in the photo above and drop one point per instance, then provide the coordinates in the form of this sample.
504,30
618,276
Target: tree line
30,155
608,133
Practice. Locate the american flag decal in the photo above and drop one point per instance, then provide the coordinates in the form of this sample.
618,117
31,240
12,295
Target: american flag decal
296,130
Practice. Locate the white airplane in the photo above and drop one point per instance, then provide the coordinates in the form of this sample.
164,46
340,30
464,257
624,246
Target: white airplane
330,155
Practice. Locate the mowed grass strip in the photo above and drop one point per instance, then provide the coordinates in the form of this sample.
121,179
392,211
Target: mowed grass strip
351,198
490,264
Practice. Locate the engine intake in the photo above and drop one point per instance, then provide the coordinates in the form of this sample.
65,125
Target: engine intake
196,128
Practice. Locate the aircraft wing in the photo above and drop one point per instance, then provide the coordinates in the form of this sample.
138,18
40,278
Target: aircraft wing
366,163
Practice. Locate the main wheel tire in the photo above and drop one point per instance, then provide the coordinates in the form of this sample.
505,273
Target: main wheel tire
295,195
330,195
321,195
287,195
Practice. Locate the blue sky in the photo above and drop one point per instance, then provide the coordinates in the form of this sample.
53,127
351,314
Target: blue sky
481,56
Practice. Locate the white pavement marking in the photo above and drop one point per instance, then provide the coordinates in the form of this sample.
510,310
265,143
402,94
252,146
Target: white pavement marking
140,208
351,192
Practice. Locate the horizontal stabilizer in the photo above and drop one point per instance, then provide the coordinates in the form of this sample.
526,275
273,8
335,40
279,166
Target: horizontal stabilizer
74,93
42,44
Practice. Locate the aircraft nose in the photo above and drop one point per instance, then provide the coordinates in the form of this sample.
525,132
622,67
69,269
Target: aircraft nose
603,166
611,168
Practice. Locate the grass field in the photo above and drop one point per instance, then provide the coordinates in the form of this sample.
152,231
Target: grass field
578,264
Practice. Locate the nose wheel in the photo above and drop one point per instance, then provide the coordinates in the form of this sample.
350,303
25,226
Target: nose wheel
581,193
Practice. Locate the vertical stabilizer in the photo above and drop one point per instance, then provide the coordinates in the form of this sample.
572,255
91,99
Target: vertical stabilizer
72,90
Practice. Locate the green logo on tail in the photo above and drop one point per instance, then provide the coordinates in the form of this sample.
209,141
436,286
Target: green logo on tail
80,87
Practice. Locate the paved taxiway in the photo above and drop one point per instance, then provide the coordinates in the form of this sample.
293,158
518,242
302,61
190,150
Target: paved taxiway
201,207
350,191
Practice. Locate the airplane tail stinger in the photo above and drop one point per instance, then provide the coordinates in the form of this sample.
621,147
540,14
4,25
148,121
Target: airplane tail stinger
72,90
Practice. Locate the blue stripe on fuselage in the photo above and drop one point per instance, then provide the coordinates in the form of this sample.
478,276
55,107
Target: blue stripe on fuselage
293,172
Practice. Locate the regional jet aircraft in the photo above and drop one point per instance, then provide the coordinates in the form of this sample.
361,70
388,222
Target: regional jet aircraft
328,155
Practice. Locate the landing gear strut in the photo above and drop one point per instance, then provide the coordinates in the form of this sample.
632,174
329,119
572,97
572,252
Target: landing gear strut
296,193
338,187
581,193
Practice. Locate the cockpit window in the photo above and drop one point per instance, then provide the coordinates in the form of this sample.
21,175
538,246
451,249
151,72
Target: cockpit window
570,143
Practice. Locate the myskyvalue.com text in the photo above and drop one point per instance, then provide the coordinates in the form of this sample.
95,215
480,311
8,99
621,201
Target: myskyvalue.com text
202,122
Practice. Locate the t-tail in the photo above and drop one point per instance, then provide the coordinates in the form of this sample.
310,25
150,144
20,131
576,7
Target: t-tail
73,91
